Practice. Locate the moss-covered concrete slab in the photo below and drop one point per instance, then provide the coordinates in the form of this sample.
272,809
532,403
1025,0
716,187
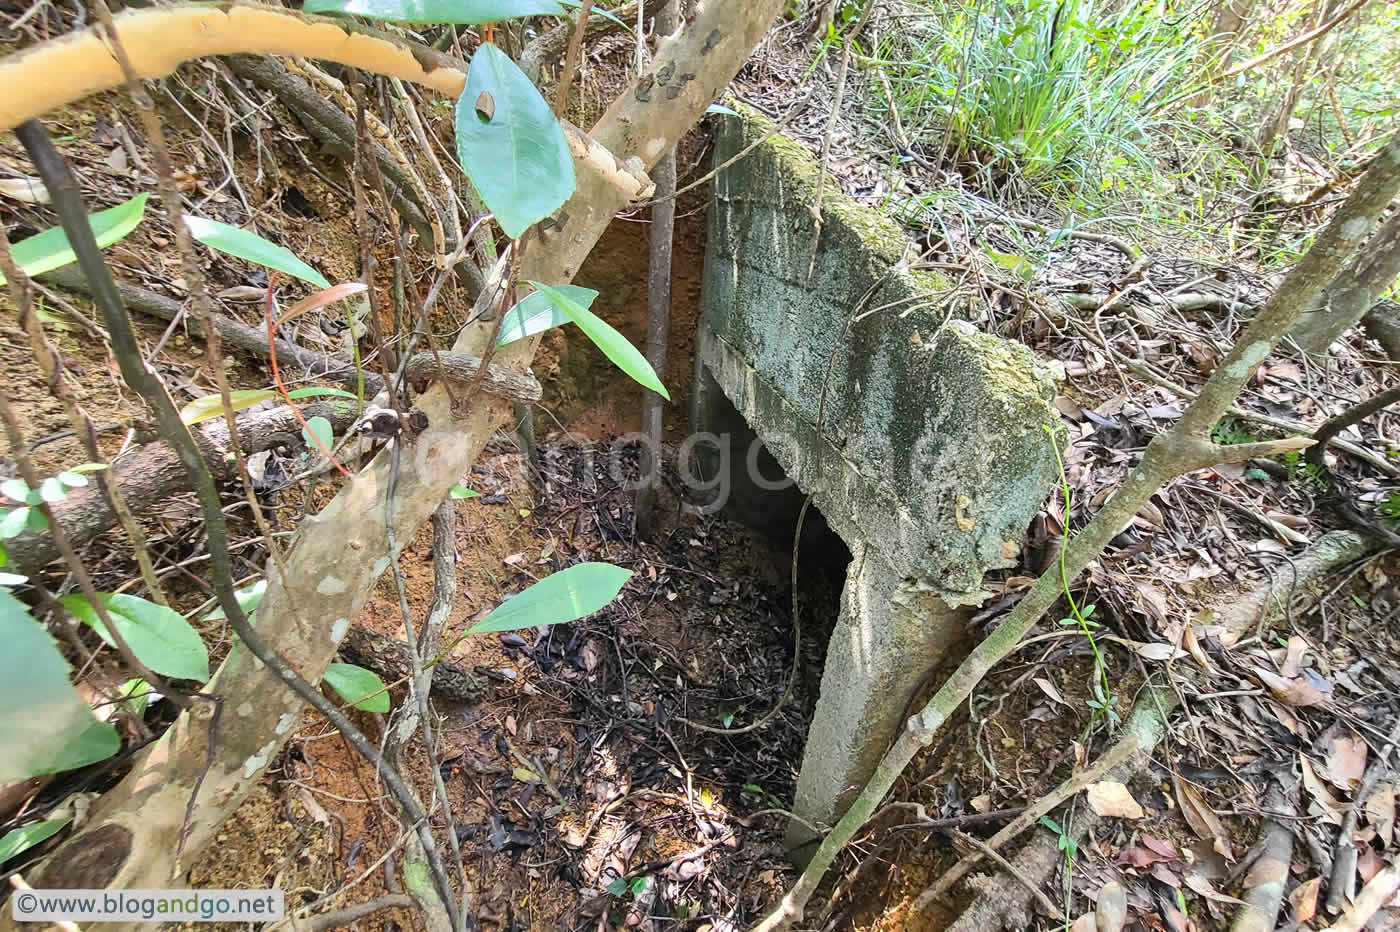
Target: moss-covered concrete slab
931,444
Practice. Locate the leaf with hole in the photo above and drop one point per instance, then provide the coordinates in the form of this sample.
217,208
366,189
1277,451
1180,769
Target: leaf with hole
357,686
535,313
462,12
27,836
158,636
46,727
514,149
212,406
613,344
49,250
572,593
244,245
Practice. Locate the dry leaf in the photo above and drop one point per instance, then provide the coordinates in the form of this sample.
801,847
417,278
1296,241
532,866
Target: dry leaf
1294,692
1328,805
1049,689
1293,657
1193,646
24,190
1304,900
1111,799
1380,812
1202,819
1346,764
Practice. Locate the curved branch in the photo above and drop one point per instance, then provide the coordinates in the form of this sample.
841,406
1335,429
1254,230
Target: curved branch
159,40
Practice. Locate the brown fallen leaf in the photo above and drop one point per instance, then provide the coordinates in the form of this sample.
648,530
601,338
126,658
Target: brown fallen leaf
1324,803
1346,763
1304,900
1293,657
1111,799
1202,819
1380,812
1294,692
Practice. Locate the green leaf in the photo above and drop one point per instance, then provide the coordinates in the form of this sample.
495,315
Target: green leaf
72,479
720,108
461,491
613,344
212,406
322,429
639,885
91,467
46,727
12,524
321,391
27,836
35,521
248,598
618,887
354,683
159,636
535,313
251,246
576,4
51,490
136,696
1051,824
16,490
563,596
466,12
49,250
510,143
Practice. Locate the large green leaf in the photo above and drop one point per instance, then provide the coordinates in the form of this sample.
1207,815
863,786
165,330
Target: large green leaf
353,684
46,251
254,248
535,313
159,636
468,12
510,144
27,836
44,726
613,344
580,590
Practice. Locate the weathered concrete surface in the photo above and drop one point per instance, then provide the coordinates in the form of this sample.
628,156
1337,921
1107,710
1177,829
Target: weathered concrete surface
931,456
932,443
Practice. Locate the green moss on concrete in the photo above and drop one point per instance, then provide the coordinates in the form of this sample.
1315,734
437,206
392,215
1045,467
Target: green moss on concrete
931,444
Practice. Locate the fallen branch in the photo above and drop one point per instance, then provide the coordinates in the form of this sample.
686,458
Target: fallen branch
1268,876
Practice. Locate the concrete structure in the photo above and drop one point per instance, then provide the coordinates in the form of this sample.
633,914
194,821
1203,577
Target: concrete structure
921,439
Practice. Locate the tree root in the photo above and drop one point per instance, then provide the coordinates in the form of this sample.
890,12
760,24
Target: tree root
389,657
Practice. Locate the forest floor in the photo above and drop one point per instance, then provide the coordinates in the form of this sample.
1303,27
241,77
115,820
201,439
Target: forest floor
580,797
